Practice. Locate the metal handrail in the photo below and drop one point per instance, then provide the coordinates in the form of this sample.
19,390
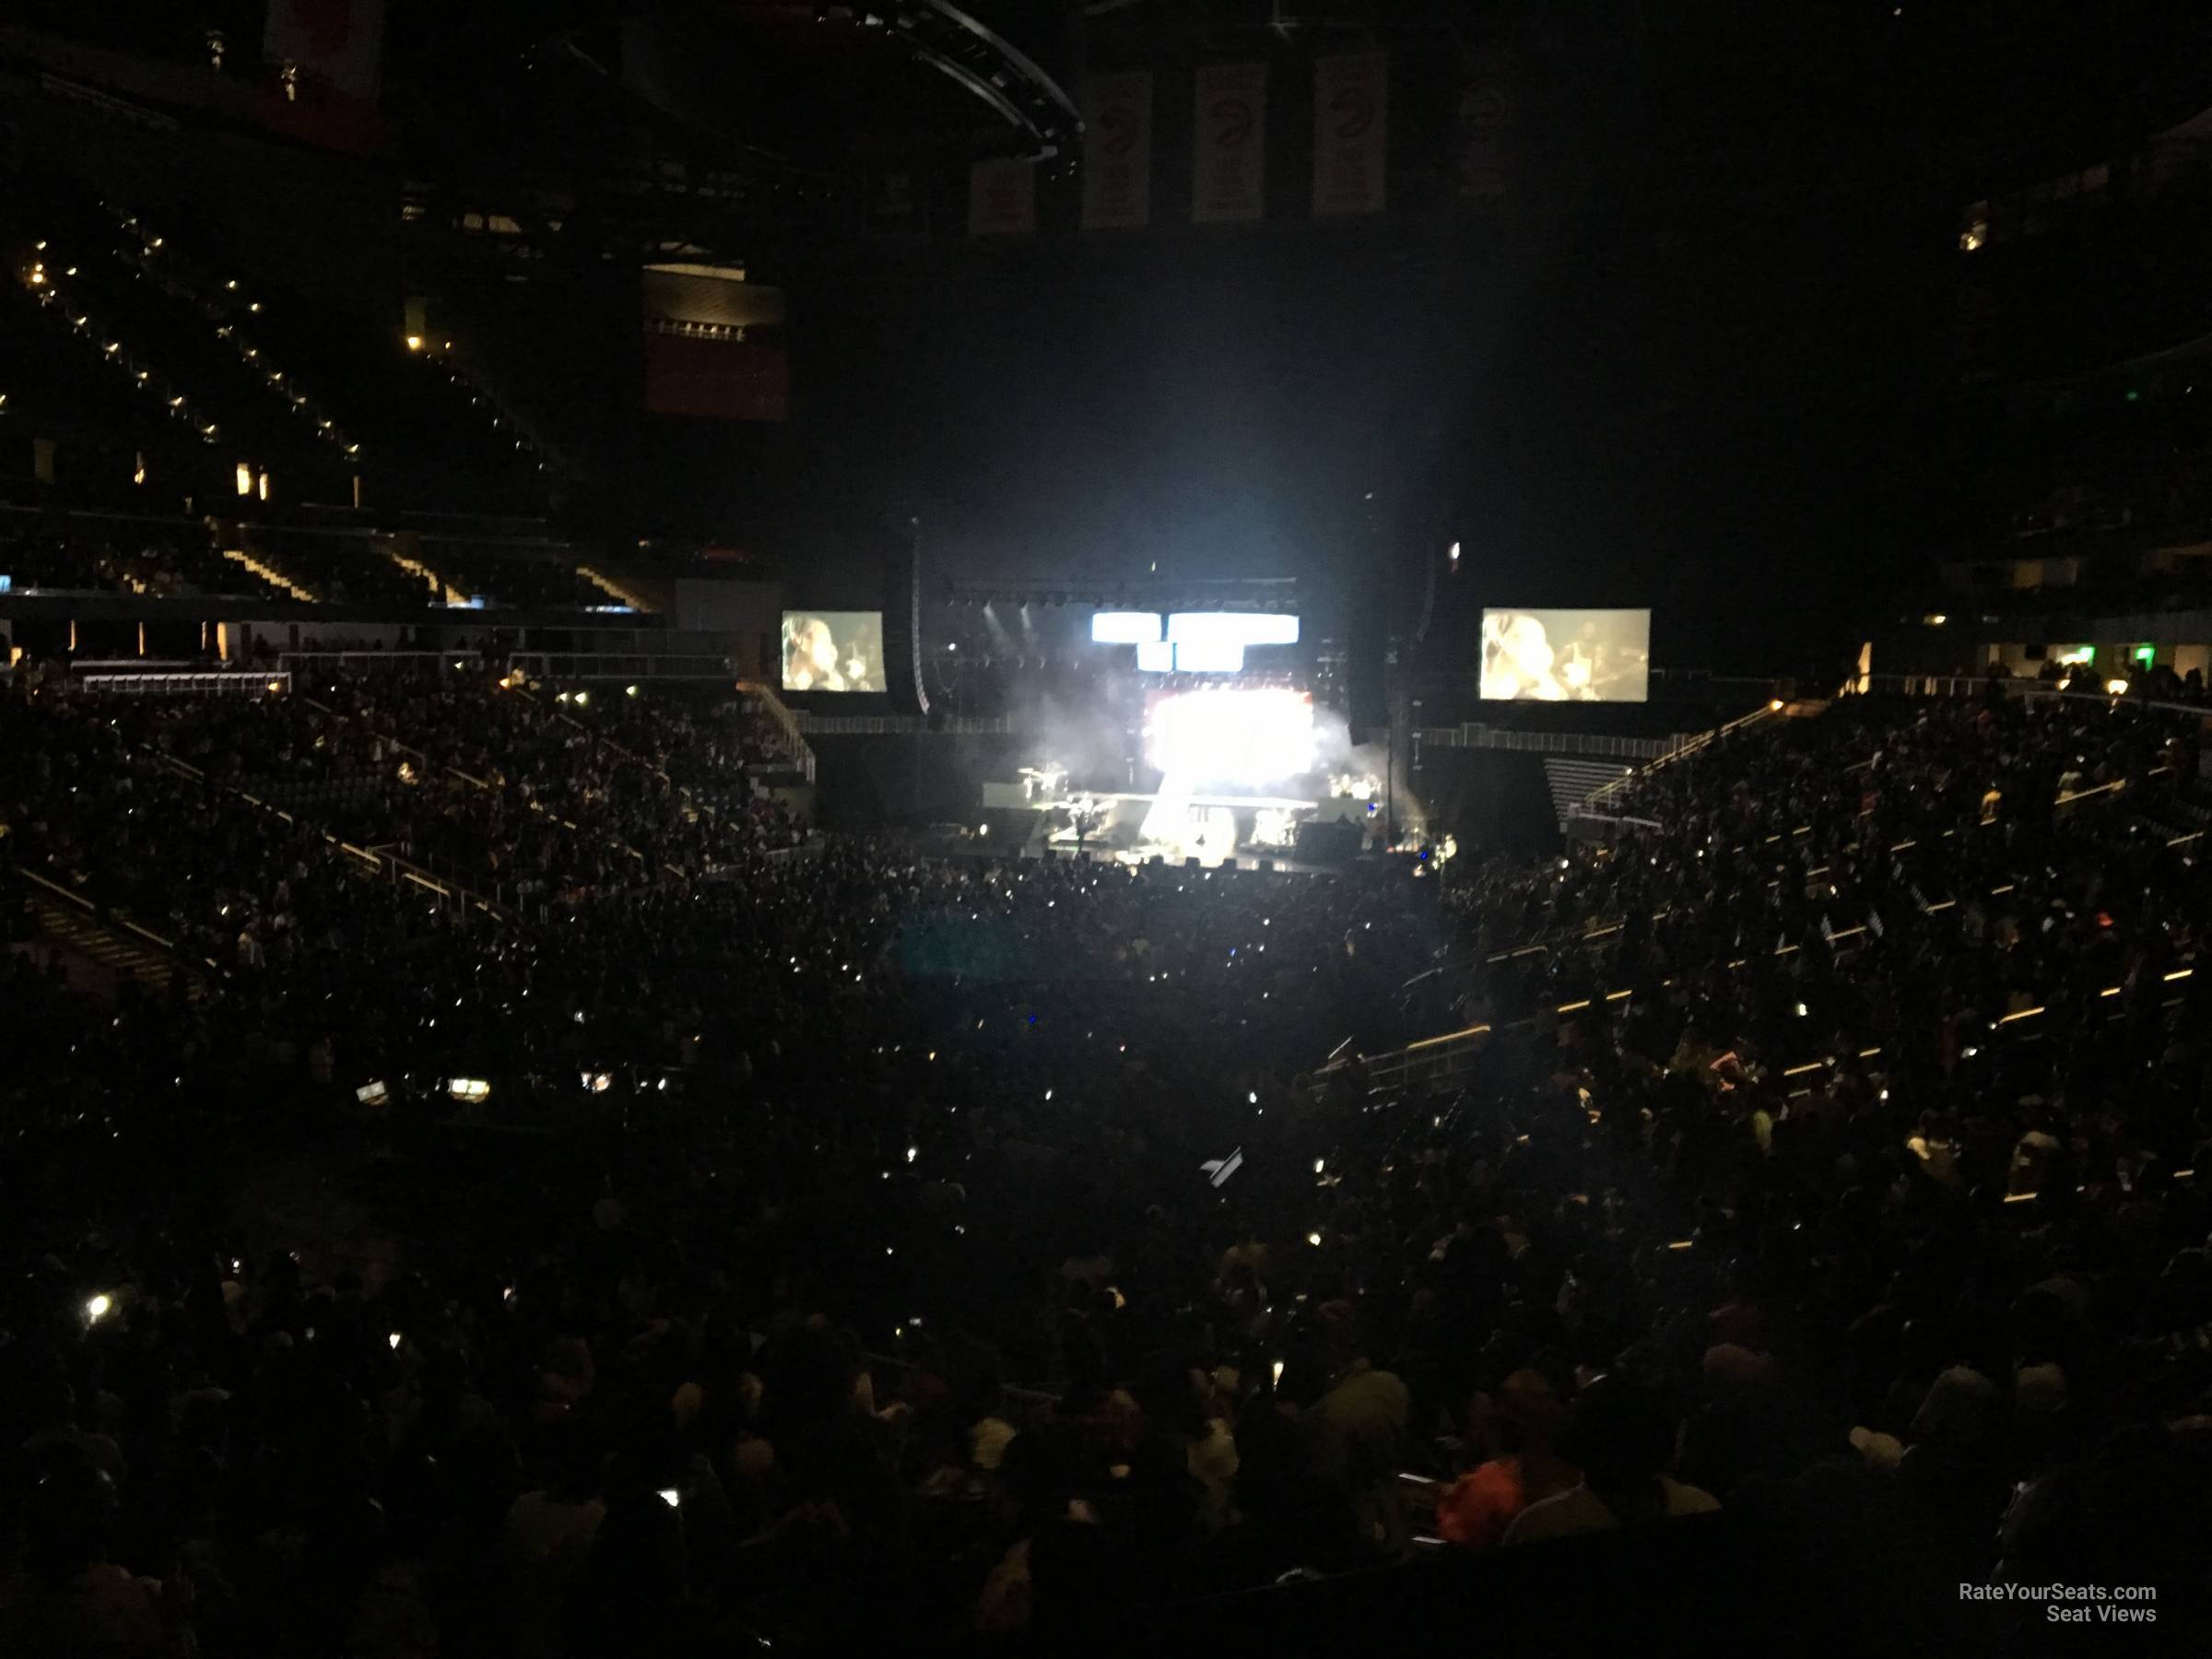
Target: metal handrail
780,711
893,725
420,874
1702,741
1954,684
166,947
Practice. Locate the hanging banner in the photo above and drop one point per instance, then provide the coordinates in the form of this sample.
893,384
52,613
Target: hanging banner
1483,122
1352,113
1002,197
1117,151
1229,124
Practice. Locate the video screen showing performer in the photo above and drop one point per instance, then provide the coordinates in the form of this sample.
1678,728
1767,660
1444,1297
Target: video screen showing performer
834,651
1565,655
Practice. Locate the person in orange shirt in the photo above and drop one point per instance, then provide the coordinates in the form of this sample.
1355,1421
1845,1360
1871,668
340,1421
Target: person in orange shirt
1517,1426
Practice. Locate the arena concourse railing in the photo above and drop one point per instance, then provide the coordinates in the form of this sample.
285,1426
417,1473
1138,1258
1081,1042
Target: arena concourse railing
1475,736
164,682
1974,685
621,666
900,725
537,665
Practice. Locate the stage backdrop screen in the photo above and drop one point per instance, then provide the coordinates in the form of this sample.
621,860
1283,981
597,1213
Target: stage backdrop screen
834,651
1565,655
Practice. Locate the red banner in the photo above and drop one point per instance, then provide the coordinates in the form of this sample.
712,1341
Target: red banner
716,380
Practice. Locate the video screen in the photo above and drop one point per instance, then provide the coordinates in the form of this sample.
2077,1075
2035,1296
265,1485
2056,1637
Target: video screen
1124,628
834,651
1565,655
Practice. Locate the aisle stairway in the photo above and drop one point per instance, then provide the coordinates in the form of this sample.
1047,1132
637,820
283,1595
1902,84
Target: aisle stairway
117,947
619,590
1573,782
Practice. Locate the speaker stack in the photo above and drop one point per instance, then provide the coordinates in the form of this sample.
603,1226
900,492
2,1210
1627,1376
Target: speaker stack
902,621
1367,694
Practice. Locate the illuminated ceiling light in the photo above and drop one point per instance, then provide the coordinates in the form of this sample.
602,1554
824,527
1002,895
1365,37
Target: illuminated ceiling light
414,342
1232,628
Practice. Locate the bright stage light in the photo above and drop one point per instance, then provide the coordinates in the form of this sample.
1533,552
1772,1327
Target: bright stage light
1231,627
1125,627
1232,736
1156,657
1210,656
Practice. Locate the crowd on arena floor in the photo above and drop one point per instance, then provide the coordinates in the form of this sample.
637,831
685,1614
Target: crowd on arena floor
856,1243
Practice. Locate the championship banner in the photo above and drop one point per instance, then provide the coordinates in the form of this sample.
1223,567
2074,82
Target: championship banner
1002,197
1352,113
1117,151
1229,124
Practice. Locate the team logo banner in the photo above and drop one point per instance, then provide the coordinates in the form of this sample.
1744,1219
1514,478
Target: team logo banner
1117,152
1229,175
1351,124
